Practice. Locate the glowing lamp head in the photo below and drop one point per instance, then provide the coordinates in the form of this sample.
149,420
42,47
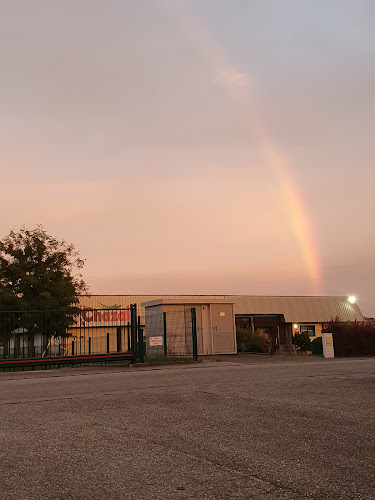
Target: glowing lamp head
295,326
352,299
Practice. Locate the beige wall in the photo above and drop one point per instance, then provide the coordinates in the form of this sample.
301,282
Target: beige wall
318,329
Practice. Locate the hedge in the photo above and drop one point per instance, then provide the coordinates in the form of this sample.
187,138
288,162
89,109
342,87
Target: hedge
352,339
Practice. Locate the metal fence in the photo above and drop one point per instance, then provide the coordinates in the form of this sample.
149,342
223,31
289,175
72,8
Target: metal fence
57,337
172,332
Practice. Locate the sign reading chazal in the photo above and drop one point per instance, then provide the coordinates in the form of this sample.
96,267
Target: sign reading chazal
105,316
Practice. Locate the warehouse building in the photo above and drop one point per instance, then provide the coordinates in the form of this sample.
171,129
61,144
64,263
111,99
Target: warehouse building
278,318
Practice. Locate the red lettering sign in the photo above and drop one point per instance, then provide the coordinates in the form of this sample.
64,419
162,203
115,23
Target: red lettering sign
90,315
86,315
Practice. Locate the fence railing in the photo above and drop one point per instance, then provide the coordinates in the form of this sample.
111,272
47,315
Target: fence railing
52,336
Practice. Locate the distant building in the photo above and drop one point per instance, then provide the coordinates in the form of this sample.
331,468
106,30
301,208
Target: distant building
277,317
103,325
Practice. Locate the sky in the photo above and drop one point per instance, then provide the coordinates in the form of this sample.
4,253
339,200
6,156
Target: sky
195,146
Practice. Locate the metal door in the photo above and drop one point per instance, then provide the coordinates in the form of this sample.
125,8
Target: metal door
223,329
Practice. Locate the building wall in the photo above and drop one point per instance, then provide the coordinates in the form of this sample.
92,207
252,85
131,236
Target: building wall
318,329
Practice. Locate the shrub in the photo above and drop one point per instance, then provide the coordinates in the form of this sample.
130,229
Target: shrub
249,341
317,346
352,339
302,341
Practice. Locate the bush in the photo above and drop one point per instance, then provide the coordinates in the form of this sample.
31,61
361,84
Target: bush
249,341
317,346
302,341
352,339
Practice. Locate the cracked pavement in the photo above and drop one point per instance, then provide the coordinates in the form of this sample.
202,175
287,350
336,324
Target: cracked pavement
245,427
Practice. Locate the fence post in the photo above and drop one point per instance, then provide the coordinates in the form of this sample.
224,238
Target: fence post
131,331
140,341
165,332
194,333
128,335
118,339
133,327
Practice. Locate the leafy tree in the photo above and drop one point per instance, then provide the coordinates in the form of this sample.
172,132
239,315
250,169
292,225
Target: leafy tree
38,273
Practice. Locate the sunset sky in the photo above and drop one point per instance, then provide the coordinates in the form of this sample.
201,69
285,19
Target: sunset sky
195,146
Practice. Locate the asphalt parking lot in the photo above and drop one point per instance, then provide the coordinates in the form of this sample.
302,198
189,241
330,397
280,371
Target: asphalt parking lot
244,427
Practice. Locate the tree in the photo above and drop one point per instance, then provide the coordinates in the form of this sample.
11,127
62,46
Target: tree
38,273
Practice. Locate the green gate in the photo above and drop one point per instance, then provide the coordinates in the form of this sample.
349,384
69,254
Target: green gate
42,338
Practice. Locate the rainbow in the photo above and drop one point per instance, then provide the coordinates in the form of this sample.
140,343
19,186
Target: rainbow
239,87
299,218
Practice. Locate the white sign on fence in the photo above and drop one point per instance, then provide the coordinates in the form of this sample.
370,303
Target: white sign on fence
156,341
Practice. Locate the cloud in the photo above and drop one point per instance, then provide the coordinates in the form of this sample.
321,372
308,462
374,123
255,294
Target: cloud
232,78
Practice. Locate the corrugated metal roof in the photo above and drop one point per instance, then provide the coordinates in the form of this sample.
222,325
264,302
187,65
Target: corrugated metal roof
300,309
295,309
190,301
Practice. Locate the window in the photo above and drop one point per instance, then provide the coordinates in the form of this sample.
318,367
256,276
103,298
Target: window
309,329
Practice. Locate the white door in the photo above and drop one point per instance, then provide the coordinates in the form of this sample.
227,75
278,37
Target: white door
223,329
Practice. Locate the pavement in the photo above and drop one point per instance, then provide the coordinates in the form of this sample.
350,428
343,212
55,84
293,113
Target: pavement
245,426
